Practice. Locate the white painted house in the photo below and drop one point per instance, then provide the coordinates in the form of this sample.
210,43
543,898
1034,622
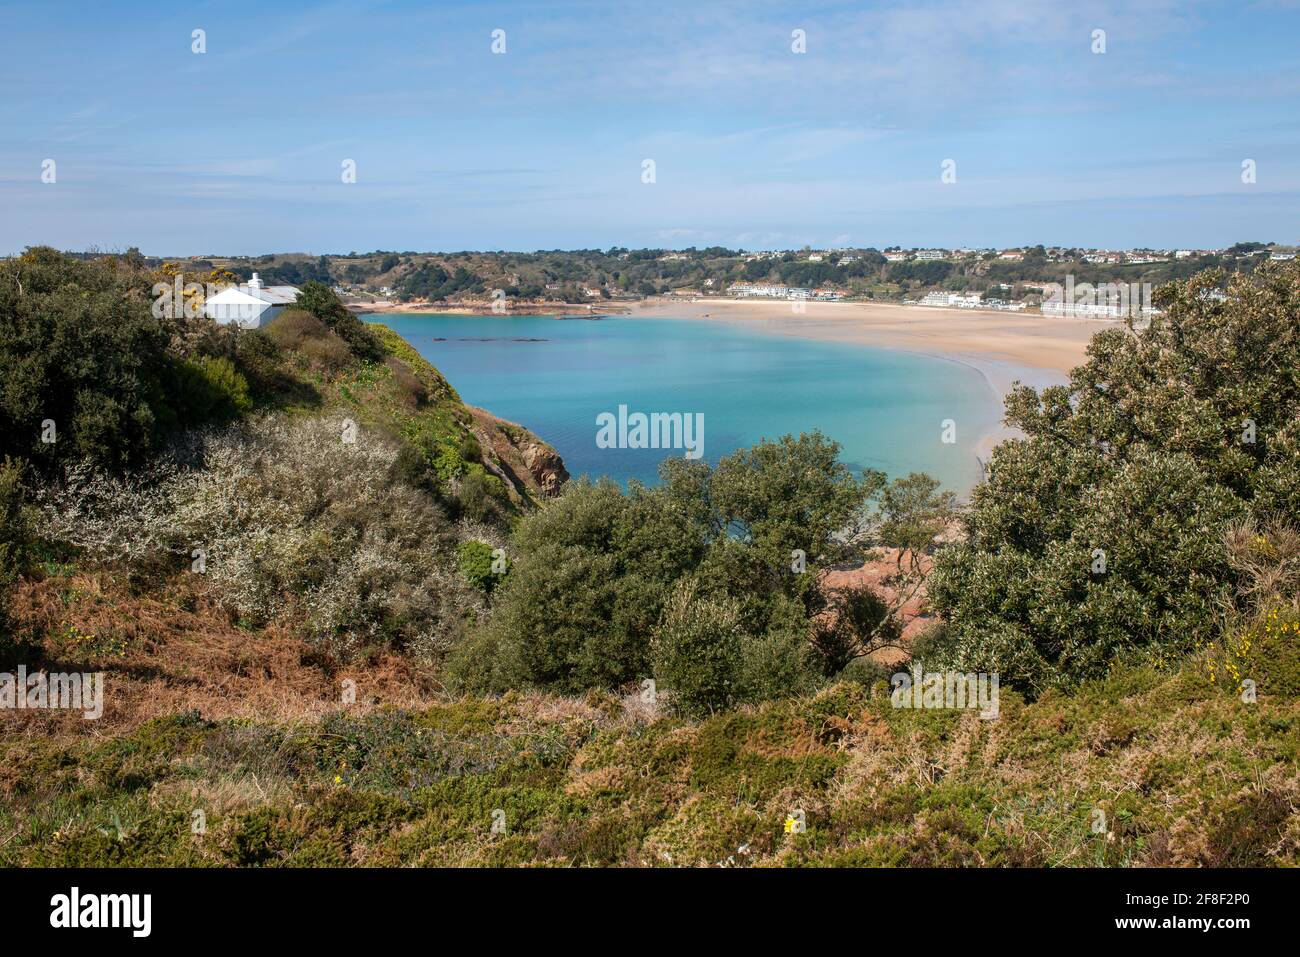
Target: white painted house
251,305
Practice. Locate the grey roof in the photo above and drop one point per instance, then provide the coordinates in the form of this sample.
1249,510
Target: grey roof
276,295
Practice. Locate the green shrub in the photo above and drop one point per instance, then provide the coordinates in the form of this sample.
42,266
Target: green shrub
707,660
1103,529
697,652
259,358
479,495
594,569
292,327
296,330
476,564
211,389
477,664
779,664
79,348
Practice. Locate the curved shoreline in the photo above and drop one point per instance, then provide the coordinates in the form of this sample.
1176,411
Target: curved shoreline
1004,348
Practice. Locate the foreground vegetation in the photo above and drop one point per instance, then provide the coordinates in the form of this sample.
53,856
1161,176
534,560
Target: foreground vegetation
1143,768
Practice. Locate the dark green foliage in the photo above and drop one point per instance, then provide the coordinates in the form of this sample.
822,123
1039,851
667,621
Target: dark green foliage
697,651
80,348
15,545
259,359
858,620
1143,462
788,494
478,495
15,525
431,281
707,659
594,572
210,389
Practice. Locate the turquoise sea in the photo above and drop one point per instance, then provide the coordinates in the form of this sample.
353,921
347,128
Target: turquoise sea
555,376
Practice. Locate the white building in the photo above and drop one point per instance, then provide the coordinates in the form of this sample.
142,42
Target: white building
251,305
952,300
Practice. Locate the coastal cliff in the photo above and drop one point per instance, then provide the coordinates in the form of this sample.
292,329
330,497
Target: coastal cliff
451,439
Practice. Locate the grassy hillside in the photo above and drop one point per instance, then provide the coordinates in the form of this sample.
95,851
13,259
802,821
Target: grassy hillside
1184,771
404,396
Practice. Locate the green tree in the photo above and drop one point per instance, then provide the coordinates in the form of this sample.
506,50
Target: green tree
1102,531
476,564
80,350
789,494
595,569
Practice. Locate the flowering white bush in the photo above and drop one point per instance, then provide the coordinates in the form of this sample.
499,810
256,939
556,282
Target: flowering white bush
289,516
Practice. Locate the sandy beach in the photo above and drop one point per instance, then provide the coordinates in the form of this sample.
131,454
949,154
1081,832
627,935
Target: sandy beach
1005,347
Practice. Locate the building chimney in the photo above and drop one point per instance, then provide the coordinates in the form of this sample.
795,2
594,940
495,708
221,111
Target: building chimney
254,283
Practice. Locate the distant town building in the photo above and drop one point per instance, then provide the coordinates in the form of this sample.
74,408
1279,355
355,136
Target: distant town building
770,290
959,300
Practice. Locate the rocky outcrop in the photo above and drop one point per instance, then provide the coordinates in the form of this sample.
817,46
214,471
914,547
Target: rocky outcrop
529,467
545,466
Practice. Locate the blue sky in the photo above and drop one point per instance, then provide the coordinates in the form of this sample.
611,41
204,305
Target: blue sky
239,150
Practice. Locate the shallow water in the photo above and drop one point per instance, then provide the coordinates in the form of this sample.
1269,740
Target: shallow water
885,408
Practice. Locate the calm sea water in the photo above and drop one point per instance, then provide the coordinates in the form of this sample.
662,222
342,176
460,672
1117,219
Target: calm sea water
554,376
